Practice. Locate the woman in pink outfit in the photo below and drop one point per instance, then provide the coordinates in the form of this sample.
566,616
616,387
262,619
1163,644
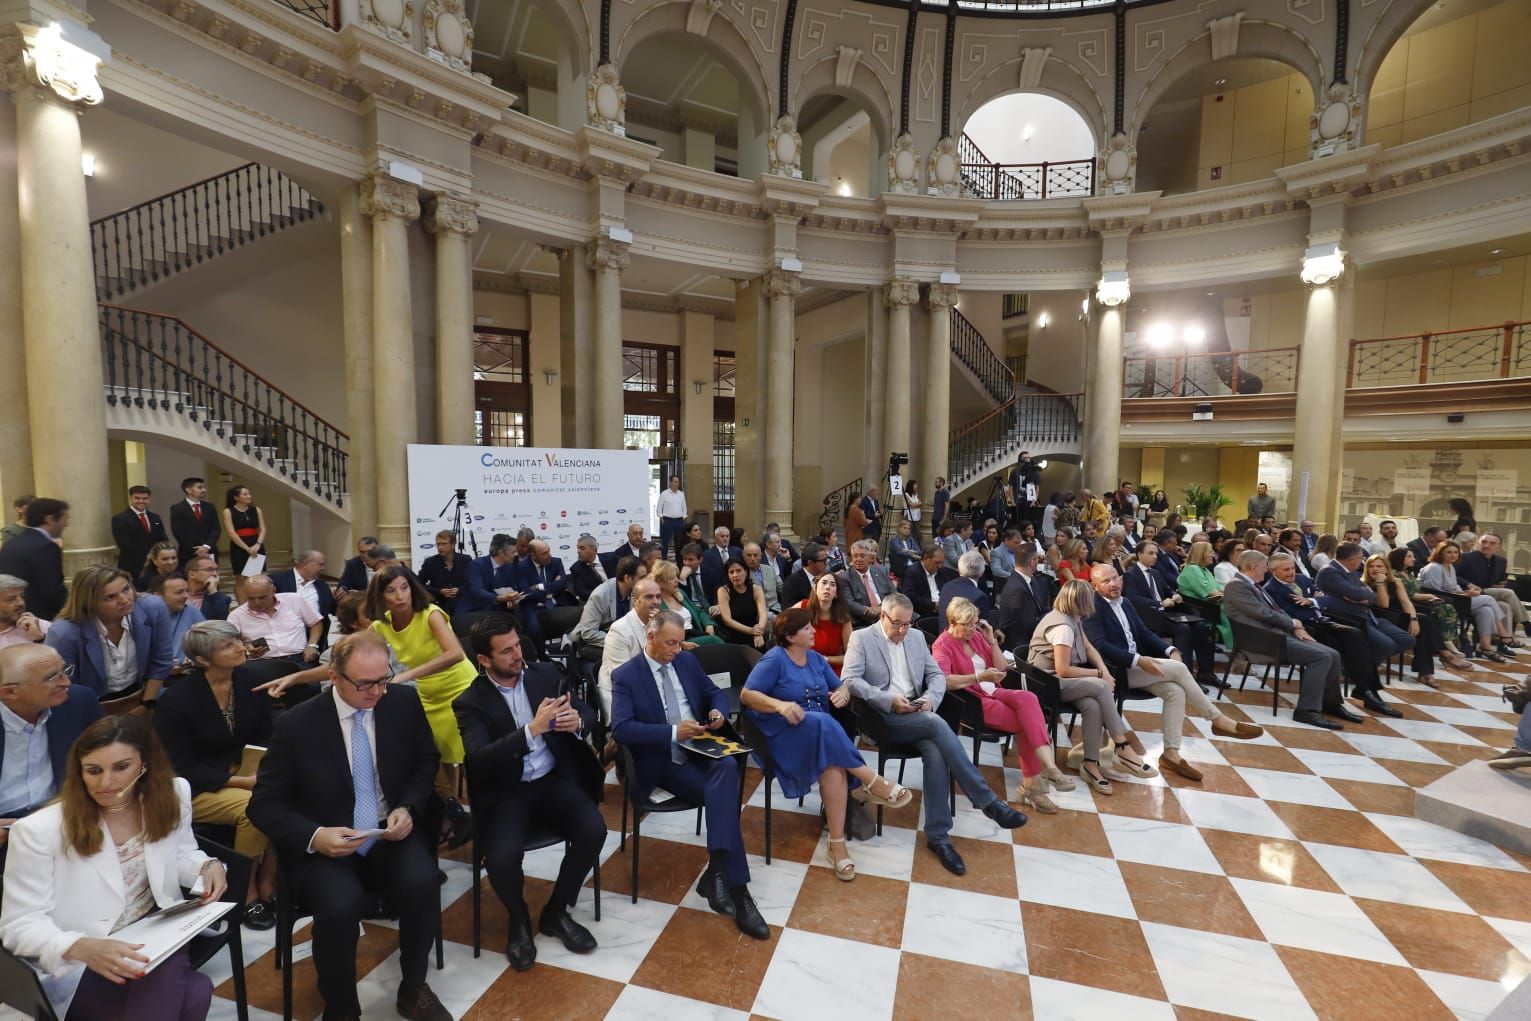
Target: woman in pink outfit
970,656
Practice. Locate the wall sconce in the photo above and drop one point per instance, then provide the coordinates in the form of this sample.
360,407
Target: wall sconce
697,385
1322,264
1113,288
548,375
1043,320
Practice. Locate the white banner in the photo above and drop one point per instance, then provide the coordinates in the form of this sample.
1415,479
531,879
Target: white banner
558,493
1497,483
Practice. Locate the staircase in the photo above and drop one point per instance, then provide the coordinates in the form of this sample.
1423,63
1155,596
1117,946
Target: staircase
157,239
988,370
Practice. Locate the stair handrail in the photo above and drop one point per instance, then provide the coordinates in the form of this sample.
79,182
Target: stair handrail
997,378
838,501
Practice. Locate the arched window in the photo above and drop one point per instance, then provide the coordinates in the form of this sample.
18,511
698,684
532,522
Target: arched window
1027,146
532,49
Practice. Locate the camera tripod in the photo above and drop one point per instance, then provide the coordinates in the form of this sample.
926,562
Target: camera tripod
462,535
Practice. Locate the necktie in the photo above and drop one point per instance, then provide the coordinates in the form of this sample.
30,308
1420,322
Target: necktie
542,575
196,511
872,600
671,699
364,817
144,519
1267,597
1153,586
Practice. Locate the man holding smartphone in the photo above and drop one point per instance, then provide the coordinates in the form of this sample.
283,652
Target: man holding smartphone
889,666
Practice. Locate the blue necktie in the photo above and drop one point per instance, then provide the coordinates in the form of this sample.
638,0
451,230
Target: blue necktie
671,700
364,817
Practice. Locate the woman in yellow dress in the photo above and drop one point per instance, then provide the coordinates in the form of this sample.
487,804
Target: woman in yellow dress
422,639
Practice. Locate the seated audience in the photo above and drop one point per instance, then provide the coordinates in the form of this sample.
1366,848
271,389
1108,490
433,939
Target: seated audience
1425,545
113,647
290,627
1144,585
541,581
657,701
1405,568
529,771
1060,647
865,582
202,589
204,721
903,549
1197,581
700,629
1440,575
1073,561
969,654
1323,551
607,604
1294,596
115,846
1393,596
1227,554
305,578
316,815
357,573
741,607
1345,596
18,625
832,624
764,577
889,667
174,593
970,571
1487,568
587,573
35,555
795,589
959,540
627,637
715,561
1002,558
689,576
1024,600
490,584
161,561
922,583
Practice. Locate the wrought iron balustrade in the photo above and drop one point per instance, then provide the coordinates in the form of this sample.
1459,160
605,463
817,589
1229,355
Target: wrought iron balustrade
986,179
975,353
1211,374
1032,419
1448,356
838,502
325,12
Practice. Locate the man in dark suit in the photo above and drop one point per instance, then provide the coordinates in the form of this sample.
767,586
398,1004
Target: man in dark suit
715,561
1195,638
1293,596
194,522
361,759
1290,540
304,578
632,547
970,568
1487,568
800,582
529,771
34,688
872,508
36,558
657,700
922,582
1344,596
353,577
1024,600
587,572
487,575
1171,560
1425,545
135,530
539,577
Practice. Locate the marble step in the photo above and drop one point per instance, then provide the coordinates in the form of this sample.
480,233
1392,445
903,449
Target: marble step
1480,801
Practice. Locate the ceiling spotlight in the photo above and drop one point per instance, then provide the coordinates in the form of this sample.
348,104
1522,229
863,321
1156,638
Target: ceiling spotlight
1221,82
1194,334
1495,251
1160,335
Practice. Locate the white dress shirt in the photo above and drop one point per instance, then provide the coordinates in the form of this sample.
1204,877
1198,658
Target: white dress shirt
1121,618
539,758
26,775
681,703
309,590
671,503
899,680
121,658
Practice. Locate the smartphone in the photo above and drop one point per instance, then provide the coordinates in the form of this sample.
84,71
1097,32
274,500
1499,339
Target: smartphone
261,644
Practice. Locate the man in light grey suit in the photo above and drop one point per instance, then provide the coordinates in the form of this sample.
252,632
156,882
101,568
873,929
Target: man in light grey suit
889,667
1246,602
609,603
854,580
764,573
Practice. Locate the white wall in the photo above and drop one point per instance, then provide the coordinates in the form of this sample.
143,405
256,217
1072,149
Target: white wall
1057,132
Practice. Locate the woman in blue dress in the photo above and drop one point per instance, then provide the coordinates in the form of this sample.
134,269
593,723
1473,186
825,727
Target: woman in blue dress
789,695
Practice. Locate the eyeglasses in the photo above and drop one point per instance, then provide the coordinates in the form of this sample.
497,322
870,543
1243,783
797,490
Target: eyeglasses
898,625
59,676
367,685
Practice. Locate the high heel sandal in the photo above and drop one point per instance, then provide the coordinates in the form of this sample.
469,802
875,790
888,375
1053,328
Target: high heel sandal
845,869
1036,800
891,795
1132,767
1060,780
1517,695
1097,779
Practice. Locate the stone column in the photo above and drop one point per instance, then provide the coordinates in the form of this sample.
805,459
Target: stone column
607,259
356,306
576,347
938,385
899,295
15,438
1320,407
454,221
782,287
1103,417
876,381
64,382
393,206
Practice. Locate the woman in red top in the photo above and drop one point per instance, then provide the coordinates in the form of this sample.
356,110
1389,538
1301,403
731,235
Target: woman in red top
831,620
1072,563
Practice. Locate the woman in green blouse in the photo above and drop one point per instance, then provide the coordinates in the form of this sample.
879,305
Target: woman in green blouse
1196,581
699,626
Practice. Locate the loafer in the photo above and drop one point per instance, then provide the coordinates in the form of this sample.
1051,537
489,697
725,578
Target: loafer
260,915
1344,713
747,916
714,890
462,823
1007,818
1512,759
520,949
1316,719
1180,766
947,855
421,1006
575,937
1374,703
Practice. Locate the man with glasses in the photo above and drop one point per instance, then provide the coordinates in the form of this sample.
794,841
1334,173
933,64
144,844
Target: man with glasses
796,588
42,715
18,625
889,667
202,582
340,792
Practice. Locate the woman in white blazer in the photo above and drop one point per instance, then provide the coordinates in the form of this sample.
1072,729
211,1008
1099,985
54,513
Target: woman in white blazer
115,845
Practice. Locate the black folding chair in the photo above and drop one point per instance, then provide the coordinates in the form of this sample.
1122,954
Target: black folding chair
554,622
752,735
1259,647
203,947
642,806
1466,625
1045,686
734,660
870,721
462,627
535,841
963,712
21,988
930,627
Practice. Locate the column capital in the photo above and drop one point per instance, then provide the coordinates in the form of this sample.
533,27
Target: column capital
385,198
901,292
942,296
452,214
781,283
604,253
61,57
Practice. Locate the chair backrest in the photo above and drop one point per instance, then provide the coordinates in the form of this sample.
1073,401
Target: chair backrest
931,626
735,660
121,706
263,670
1258,642
557,621
21,988
1209,611
462,626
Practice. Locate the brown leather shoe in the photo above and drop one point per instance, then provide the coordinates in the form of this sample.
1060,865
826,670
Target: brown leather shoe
422,1006
1181,766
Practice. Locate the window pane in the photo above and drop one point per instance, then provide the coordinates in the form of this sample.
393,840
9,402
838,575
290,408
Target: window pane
723,367
640,369
499,428
722,466
500,357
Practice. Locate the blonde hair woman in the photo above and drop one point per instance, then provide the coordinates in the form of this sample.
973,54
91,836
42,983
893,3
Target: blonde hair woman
1198,582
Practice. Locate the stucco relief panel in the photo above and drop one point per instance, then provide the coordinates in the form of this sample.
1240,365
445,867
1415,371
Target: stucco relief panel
818,32
927,76
1155,38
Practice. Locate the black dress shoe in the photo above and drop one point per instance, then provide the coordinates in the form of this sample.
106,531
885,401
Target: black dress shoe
1373,702
260,915
747,915
1007,817
462,823
520,951
576,938
712,887
422,1005
947,855
1315,719
1344,712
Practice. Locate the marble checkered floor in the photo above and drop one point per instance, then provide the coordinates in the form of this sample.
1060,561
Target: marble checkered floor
1294,882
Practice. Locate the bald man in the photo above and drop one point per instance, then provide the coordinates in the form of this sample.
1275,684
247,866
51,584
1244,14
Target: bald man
628,635
539,577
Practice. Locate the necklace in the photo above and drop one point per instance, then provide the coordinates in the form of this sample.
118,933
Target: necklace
813,692
117,809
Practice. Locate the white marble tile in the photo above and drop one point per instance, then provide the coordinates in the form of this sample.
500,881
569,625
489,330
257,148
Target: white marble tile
1422,730
1210,971
1231,812
1064,879
639,1004
1488,703
971,928
458,986
1296,788
1066,1001
1470,999
890,856
773,886
1330,923
677,826
1155,842
1344,766
626,933
219,1010
1468,716
1261,714
1517,932
781,803
1399,748
544,863
1077,800
1388,877
914,769
1426,840
970,822
814,976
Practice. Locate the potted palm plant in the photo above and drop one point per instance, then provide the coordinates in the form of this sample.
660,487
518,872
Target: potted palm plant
1205,501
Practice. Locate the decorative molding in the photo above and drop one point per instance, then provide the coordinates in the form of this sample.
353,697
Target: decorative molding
605,254
943,169
780,283
42,57
452,214
786,148
384,198
1223,34
1033,62
606,100
699,16
449,34
1118,166
901,292
391,18
940,297
846,58
904,166
1335,122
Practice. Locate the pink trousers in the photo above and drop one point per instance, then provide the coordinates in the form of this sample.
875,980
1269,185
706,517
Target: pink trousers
1017,712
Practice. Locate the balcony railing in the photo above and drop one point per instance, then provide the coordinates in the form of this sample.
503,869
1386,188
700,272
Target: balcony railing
975,353
838,503
325,12
987,179
1450,356
1212,374
1032,419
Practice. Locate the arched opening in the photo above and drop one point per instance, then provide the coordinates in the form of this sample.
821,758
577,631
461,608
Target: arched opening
844,144
1026,145
533,51
1222,123
1459,62
687,95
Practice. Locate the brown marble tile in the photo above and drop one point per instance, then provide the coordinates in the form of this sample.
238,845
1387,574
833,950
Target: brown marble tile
1410,712
1424,696
1254,693
1386,798
1496,738
1446,941
555,994
929,987
666,869
1333,826
263,982
457,919
1312,738
1259,756
1268,860
1146,721
991,867
1080,832
735,963
1184,1013
1415,774
1217,779
1090,950
794,834
1141,800
1459,754
1498,893
1355,990
907,817
1188,899
868,910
